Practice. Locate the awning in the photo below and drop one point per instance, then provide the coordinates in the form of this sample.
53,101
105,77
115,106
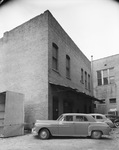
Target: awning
67,88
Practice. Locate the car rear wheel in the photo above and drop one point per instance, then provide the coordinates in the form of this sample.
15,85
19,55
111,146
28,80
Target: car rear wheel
44,134
96,134
116,124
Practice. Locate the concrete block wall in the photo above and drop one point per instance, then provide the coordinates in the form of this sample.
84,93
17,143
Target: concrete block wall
111,90
24,65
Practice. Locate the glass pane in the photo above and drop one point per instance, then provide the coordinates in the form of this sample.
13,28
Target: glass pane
105,80
68,61
111,79
69,118
99,75
67,72
105,74
54,52
54,64
113,100
99,117
99,81
111,72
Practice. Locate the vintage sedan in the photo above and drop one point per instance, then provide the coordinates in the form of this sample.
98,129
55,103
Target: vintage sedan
71,124
102,118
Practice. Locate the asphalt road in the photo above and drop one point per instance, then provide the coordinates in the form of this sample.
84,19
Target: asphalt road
29,142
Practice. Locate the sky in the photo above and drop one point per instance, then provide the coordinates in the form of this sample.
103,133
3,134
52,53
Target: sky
93,25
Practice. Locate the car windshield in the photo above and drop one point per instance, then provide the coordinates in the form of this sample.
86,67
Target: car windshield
60,118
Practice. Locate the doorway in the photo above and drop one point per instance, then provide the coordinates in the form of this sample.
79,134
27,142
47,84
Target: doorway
55,108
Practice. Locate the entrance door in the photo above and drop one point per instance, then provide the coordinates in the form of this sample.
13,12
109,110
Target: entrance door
55,108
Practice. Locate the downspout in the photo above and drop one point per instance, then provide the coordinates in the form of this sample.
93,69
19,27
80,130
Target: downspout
92,74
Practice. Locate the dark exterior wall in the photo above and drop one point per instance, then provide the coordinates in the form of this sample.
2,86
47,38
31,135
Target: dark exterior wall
24,65
69,101
111,90
66,47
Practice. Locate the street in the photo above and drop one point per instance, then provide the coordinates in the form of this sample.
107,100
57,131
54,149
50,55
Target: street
29,142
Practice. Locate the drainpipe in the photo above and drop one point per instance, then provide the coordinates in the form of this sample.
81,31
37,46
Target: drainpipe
92,73
92,79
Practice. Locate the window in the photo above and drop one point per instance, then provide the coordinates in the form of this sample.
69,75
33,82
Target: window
111,75
81,118
88,82
105,77
99,117
82,76
68,118
112,100
99,77
102,101
85,79
54,56
67,66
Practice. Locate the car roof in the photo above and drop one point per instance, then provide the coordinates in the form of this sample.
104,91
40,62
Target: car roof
110,115
97,114
76,114
90,117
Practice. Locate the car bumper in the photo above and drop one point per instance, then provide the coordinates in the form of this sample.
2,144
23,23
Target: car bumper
34,132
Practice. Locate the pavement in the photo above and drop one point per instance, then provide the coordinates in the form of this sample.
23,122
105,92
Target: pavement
30,142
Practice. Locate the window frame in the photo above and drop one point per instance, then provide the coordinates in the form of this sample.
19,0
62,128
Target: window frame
55,57
68,67
85,80
82,76
112,101
105,78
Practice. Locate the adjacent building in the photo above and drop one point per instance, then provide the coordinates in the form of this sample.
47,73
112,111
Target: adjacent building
106,83
41,61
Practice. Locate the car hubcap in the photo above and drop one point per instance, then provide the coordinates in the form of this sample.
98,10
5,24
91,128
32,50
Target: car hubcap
96,134
117,124
43,134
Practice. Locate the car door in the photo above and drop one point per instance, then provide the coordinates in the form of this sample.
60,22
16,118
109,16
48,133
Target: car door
66,126
81,124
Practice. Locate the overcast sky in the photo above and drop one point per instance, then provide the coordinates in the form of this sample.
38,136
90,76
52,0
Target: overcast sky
92,24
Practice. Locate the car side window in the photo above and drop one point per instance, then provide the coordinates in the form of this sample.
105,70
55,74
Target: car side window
99,117
68,118
81,118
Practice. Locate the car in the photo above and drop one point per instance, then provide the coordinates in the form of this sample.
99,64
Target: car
114,119
71,124
111,117
116,122
102,118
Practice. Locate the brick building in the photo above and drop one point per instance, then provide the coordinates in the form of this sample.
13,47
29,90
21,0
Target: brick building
106,83
41,61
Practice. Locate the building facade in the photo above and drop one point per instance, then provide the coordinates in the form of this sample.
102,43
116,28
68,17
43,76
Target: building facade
41,61
106,83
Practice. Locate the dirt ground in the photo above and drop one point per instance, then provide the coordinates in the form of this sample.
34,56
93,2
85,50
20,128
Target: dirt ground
30,142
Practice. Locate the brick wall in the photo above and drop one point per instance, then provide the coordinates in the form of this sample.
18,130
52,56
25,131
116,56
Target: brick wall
77,58
24,65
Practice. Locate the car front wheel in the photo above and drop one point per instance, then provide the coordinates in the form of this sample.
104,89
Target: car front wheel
116,124
44,134
96,134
